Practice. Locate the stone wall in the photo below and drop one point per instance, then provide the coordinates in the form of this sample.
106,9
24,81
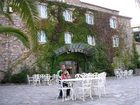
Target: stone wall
12,49
125,32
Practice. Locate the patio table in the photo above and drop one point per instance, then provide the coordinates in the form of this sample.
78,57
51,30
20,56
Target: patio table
73,80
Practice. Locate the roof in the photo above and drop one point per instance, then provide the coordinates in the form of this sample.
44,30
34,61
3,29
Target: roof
79,3
94,7
91,6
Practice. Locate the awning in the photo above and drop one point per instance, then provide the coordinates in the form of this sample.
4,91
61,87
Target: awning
76,47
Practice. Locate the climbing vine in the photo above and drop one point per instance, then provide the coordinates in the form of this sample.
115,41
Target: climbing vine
55,26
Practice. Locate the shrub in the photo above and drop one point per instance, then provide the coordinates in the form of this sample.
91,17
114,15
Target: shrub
22,76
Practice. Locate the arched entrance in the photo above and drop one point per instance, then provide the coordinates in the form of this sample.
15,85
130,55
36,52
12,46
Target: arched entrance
75,56
76,47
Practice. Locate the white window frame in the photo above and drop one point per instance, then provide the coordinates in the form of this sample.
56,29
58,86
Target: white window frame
42,8
10,9
113,22
42,37
89,18
61,0
115,41
68,37
91,40
68,15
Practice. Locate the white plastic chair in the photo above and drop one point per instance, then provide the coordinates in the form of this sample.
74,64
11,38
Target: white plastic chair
99,84
30,80
83,90
130,73
36,79
54,78
46,79
117,74
78,76
125,73
95,75
64,90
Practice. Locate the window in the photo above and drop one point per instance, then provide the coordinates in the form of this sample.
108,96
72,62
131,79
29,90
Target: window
42,11
68,38
89,18
10,9
67,15
91,40
42,37
61,0
115,39
113,22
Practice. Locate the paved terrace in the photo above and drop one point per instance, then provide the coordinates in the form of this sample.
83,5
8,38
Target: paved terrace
119,92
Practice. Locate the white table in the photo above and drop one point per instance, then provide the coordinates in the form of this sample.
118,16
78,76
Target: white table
79,80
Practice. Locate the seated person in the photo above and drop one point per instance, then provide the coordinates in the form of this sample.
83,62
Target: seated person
65,75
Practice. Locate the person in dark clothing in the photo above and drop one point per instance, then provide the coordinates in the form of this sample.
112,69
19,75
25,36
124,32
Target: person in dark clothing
64,75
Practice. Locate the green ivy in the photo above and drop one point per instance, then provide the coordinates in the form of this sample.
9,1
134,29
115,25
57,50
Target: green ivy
55,27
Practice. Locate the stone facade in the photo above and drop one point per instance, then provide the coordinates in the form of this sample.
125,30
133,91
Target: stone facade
12,50
126,33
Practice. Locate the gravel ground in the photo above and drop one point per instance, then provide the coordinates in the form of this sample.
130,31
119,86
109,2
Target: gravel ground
118,92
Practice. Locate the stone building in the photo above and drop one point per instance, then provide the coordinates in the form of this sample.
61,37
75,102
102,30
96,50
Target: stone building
99,24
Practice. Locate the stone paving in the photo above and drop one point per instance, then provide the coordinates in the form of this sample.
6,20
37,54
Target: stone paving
118,92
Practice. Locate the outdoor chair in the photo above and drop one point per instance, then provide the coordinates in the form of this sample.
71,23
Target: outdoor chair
83,90
46,79
78,76
54,78
64,90
99,84
117,74
30,80
125,73
36,79
94,75
130,73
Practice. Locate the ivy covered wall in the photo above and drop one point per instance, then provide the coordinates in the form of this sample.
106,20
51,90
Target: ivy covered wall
55,26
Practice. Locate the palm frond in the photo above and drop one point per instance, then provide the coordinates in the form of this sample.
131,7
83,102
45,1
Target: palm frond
3,13
17,33
1,5
7,15
29,13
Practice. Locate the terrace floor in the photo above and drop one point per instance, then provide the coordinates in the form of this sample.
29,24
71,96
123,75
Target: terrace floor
118,92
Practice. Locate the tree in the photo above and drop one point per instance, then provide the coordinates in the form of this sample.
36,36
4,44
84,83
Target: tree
135,57
27,10
17,33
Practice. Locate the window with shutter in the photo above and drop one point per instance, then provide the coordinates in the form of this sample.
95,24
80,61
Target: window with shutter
91,40
42,11
42,37
68,38
115,39
68,15
89,18
113,22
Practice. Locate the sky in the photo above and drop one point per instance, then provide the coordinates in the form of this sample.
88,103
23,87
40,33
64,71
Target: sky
127,8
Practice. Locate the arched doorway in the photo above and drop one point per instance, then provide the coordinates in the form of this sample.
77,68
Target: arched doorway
74,56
